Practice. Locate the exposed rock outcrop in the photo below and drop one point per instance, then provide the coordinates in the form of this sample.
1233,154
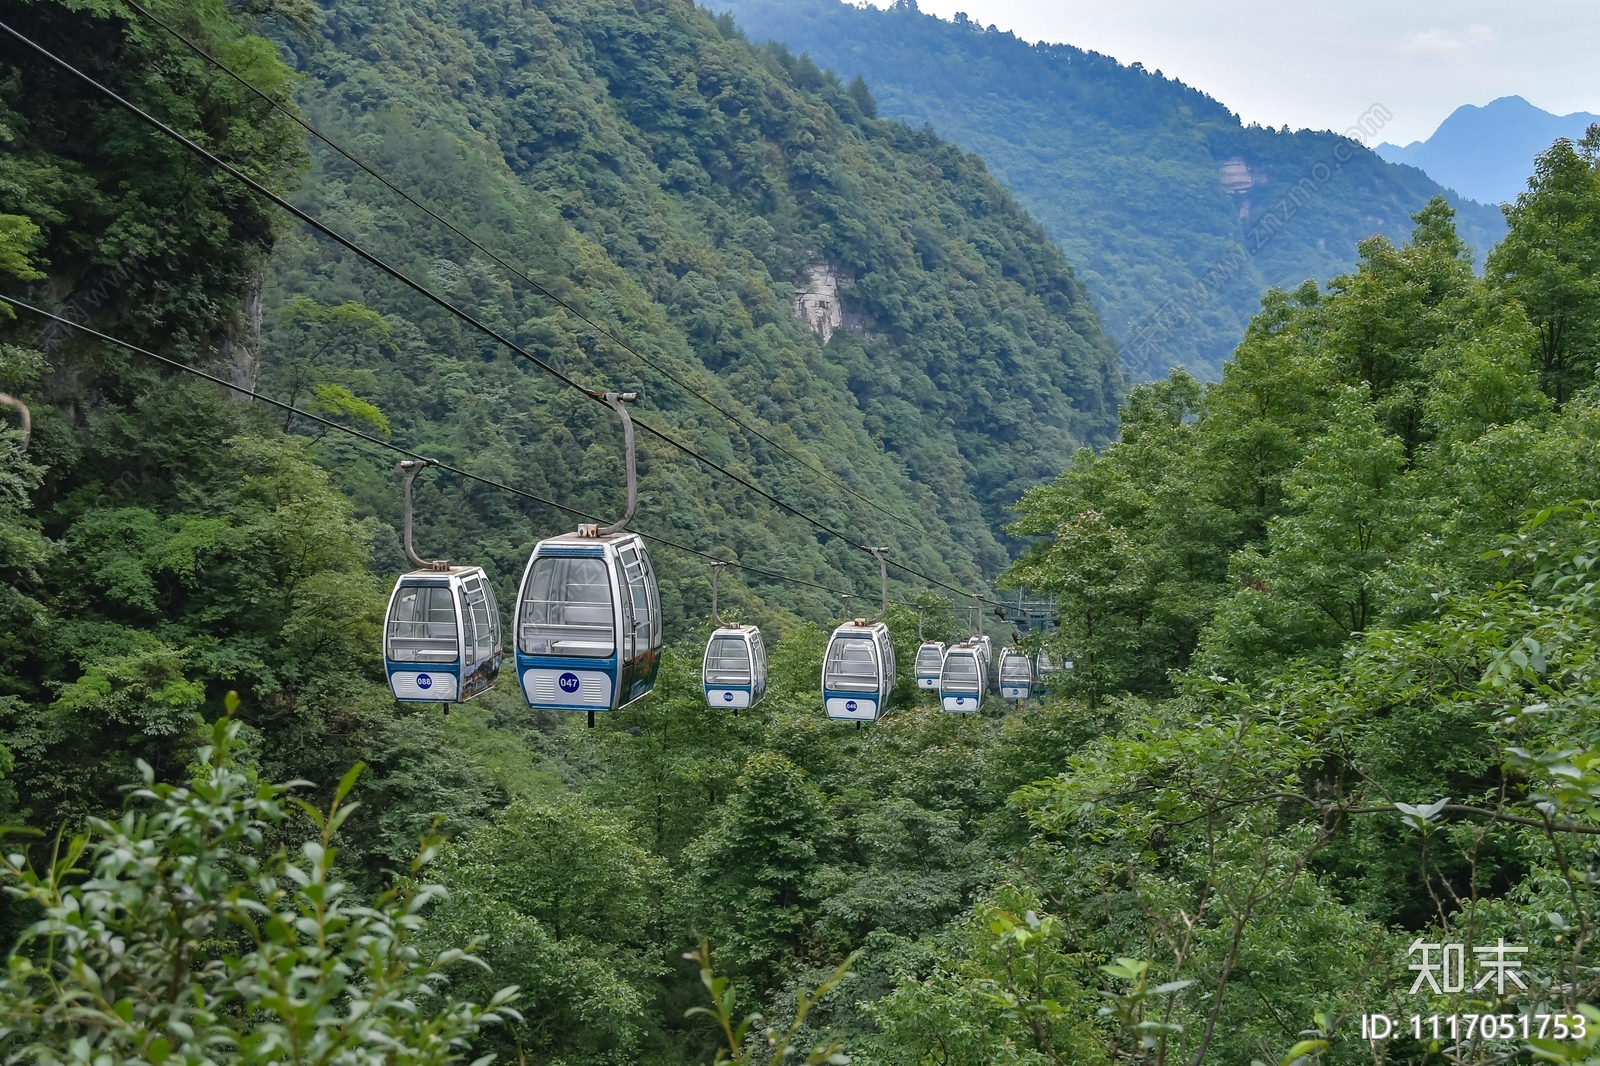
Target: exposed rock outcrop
818,304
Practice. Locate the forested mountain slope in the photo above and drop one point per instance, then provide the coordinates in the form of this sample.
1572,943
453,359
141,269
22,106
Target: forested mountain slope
681,184
1146,183
1333,616
166,542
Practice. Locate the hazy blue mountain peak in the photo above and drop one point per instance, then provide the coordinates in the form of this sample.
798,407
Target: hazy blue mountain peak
1486,153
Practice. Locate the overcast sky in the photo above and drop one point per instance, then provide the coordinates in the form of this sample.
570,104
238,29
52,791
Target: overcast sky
1322,64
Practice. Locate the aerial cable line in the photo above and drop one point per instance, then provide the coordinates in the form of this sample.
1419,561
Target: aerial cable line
536,286
446,467
428,294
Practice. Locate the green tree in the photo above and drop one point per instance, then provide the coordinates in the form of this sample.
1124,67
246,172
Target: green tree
752,871
563,903
324,349
1328,571
1550,261
198,934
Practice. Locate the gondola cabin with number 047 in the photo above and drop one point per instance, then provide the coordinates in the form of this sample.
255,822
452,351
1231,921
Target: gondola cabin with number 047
588,623
441,633
588,618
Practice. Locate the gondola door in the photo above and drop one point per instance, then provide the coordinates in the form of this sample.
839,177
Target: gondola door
641,620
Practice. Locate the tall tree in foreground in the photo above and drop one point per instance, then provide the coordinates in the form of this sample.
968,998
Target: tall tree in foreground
1550,262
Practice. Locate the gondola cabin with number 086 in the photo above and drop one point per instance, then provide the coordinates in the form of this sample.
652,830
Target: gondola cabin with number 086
858,669
441,633
442,638
588,617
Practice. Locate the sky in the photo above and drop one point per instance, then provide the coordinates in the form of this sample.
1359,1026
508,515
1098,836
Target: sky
1325,65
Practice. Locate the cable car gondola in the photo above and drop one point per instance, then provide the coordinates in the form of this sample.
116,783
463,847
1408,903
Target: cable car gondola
964,678
1016,674
1048,665
930,659
441,633
735,667
588,618
858,671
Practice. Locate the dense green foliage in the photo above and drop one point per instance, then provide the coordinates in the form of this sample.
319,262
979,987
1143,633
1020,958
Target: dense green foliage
1351,589
198,936
681,204
1123,166
1333,616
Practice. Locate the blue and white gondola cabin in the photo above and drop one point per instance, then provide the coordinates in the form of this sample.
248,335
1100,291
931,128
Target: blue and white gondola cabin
588,623
964,678
441,636
930,660
735,668
1016,675
858,672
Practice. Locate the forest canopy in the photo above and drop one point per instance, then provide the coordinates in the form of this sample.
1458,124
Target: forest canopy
1331,617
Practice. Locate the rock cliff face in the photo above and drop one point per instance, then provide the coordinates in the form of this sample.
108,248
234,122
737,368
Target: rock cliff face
1238,181
818,304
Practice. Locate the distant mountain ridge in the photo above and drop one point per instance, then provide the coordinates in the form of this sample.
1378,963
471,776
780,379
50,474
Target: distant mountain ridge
1158,194
1486,153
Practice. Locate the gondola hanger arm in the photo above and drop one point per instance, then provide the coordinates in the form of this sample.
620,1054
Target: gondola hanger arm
881,554
615,401
411,468
716,571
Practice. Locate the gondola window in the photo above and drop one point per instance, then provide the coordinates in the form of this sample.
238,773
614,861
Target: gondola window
852,665
567,609
728,662
635,568
961,673
475,605
422,628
